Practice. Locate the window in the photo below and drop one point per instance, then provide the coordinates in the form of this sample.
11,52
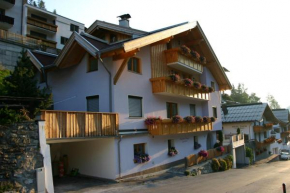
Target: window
37,34
74,28
92,64
212,85
214,112
192,109
93,103
134,65
2,11
113,38
170,144
196,145
135,106
139,148
171,109
63,40
265,134
38,17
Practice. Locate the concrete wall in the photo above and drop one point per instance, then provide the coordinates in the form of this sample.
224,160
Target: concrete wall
157,148
93,158
16,13
9,54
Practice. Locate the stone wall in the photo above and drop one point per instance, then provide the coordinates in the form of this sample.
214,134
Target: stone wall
20,156
9,54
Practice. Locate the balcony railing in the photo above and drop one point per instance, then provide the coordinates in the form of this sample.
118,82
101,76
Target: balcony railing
261,129
75,124
181,62
165,86
41,24
166,127
47,43
7,19
237,140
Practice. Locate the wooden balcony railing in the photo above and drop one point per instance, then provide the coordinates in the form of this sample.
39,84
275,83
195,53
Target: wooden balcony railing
19,39
163,85
47,43
75,124
166,127
41,24
181,62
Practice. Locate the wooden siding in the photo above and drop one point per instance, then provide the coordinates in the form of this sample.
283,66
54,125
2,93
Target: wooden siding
75,124
166,86
166,127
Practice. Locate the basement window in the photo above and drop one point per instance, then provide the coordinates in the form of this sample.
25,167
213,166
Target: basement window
134,65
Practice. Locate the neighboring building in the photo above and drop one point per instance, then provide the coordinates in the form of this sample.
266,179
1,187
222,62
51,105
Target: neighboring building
281,130
124,73
255,121
25,26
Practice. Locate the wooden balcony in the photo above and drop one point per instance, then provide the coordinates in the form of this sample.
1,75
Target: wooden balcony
176,60
165,86
166,127
44,42
41,24
76,124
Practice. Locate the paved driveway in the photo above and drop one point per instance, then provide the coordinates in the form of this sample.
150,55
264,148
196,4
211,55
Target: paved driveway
267,177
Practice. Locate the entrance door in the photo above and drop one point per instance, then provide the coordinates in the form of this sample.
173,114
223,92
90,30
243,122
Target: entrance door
208,141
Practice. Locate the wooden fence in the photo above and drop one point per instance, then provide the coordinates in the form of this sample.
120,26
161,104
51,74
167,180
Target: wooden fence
75,124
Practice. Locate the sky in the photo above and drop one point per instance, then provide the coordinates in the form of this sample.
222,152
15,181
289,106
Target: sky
251,38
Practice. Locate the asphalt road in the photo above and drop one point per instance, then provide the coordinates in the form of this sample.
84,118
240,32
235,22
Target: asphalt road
267,177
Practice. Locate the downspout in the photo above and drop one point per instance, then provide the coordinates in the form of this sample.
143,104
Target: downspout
110,82
119,157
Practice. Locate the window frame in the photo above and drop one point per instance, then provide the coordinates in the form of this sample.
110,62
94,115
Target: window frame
214,112
143,148
63,40
170,144
139,65
74,27
136,97
192,105
171,113
89,67
93,97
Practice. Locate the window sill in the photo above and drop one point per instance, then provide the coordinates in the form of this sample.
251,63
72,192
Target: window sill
134,72
135,117
92,71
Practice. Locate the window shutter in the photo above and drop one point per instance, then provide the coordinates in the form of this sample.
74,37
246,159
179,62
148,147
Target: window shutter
135,106
93,104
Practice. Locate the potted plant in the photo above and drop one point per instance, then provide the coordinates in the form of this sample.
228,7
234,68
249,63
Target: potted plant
172,151
174,77
202,59
177,119
196,85
198,119
206,119
210,89
141,158
204,88
189,119
203,153
220,149
188,82
151,120
185,50
212,119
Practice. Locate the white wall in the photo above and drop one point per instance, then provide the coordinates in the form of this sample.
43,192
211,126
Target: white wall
15,12
93,158
72,85
157,148
246,128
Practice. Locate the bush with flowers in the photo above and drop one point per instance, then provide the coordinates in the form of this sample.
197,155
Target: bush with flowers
174,77
141,158
196,85
172,151
206,119
212,119
220,149
151,120
203,153
189,119
177,119
204,88
188,82
198,119
210,89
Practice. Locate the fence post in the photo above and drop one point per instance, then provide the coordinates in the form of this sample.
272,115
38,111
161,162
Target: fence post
284,187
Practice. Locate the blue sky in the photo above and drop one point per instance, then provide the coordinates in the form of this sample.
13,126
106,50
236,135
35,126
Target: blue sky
250,37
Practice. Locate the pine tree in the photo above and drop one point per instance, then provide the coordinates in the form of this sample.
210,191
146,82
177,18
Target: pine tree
21,82
41,4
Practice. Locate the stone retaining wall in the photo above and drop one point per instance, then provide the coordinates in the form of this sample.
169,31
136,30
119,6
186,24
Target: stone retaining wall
20,156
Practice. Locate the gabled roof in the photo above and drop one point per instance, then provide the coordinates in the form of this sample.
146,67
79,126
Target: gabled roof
79,44
114,27
282,115
41,59
248,113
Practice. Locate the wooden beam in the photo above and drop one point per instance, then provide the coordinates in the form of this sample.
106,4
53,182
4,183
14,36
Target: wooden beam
125,55
121,69
183,33
112,53
194,42
164,41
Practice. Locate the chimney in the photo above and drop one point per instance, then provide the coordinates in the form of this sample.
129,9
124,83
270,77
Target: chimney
124,21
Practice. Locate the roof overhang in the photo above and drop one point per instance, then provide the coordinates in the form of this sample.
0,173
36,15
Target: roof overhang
34,60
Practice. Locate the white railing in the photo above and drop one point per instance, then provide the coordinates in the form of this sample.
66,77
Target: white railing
238,140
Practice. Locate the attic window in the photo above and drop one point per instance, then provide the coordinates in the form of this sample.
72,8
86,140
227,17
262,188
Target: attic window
134,65
92,64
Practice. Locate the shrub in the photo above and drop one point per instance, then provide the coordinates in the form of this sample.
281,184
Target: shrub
250,154
215,165
6,186
9,116
177,119
186,172
230,157
223,164
229,163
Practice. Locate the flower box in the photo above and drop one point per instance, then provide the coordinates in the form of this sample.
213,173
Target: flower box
141,158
